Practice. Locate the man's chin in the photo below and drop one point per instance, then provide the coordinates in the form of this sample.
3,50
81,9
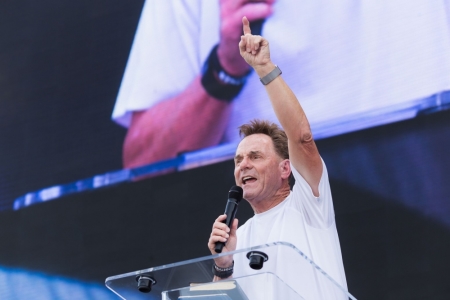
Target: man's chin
248,194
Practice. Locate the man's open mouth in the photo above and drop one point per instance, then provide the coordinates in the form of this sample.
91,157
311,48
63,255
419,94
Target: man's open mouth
248,179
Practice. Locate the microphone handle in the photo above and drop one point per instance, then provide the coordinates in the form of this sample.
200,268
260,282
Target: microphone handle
230,211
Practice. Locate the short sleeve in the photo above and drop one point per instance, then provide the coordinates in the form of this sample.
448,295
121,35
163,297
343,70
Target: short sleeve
318,211
164,56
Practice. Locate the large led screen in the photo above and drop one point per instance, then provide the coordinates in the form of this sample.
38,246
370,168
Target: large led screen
98,96
351,64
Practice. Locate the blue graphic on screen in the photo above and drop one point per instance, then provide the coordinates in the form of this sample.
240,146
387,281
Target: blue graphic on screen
23,285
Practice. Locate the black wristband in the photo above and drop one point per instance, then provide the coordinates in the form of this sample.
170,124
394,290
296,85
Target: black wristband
217,82
222,272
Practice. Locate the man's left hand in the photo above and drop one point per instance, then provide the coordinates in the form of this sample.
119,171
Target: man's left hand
254,48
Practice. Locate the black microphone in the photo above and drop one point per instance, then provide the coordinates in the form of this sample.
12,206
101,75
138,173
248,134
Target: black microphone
234,197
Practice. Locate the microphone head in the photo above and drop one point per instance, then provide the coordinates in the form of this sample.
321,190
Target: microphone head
236,193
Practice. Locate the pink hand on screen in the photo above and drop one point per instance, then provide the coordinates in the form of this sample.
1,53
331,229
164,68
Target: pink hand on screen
231,13
178,124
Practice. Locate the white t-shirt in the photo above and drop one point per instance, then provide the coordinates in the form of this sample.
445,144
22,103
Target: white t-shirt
350,63
307,222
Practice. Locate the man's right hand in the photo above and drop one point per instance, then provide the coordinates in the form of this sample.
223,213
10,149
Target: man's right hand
222,233
231,13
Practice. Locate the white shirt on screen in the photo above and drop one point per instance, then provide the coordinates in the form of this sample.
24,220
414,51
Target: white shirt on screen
351,63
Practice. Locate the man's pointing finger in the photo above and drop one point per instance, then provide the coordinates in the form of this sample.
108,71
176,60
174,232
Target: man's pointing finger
246,26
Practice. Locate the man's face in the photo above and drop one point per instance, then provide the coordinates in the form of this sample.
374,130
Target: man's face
257,168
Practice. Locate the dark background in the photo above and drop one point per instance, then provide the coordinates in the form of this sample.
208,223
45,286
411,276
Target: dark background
390,251
61,64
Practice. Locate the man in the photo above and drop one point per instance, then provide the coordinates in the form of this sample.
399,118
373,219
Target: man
264,160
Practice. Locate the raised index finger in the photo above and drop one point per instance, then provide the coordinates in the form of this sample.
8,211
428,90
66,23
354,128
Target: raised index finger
246,25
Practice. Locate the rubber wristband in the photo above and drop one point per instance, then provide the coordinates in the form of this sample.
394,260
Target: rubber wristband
271,76
217,82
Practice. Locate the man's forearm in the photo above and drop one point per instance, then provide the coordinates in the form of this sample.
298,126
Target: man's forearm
302,149
186,122
286,106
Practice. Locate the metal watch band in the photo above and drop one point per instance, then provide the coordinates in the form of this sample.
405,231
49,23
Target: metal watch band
271,76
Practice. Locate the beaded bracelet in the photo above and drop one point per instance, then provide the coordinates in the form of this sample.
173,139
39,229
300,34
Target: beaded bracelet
222,272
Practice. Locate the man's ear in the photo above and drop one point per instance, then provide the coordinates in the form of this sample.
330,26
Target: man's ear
285,167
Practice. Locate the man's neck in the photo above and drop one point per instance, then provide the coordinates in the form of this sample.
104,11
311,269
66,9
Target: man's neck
268,204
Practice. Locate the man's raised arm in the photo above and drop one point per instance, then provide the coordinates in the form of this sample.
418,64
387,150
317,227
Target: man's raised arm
302,149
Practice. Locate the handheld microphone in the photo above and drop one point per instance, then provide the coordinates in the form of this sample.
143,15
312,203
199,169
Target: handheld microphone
234,197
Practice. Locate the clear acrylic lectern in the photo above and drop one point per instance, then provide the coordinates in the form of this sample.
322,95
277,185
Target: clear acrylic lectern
286,274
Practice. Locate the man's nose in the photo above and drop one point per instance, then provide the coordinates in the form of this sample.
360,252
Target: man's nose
245,163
